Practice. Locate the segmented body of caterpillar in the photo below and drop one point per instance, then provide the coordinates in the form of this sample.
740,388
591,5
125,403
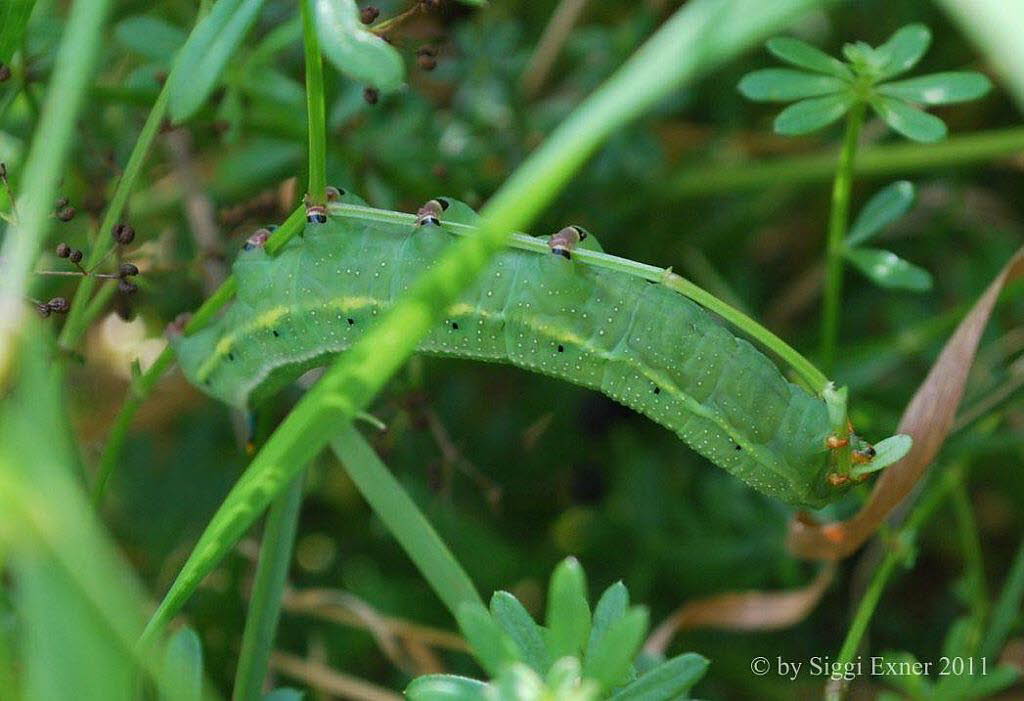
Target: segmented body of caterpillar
639,343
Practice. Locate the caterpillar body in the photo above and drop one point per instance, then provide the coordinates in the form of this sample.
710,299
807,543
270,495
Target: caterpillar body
641,344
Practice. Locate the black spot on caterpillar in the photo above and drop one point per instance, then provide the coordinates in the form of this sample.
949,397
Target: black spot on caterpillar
644,345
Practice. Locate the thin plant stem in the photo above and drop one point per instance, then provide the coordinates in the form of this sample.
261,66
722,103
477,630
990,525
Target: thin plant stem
384,25
961,152
804,368
404,520
142,386
836,233
315,109
900,544
267,592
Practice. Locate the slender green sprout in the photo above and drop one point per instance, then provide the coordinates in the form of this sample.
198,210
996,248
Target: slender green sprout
316,120
836,233
268,588
901,542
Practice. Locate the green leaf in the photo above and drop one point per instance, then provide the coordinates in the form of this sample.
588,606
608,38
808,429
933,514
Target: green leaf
520,626
610,660
887,269
903,50
14,16
887,452
672,679
802,54
784,84
356,52
568,615
812,114
886,206
518,683
152,37
183,665
491,645
445,687
908,120
610,608
206,53
939,88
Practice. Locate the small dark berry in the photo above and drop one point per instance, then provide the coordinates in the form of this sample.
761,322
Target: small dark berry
427,63
124,234
369,14
127,287
127,270
371,95
59,305
66,213
5,72
63,250
75,255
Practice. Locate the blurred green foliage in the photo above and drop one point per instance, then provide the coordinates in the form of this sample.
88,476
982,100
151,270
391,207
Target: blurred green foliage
517,471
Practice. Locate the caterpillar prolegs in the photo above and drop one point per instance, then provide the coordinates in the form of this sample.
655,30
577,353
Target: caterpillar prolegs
638,342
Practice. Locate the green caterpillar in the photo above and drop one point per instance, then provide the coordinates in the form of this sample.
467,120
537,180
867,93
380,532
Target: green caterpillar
638,342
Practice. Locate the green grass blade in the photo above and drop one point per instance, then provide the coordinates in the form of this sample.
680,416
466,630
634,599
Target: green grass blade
404,519
699,36
268,588
205,55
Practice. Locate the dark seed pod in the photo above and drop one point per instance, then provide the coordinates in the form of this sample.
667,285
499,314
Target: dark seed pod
75,255
5,72
127,270
427,63
59,305
369,14
66,213
63,250
124,234
371,95
126,287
